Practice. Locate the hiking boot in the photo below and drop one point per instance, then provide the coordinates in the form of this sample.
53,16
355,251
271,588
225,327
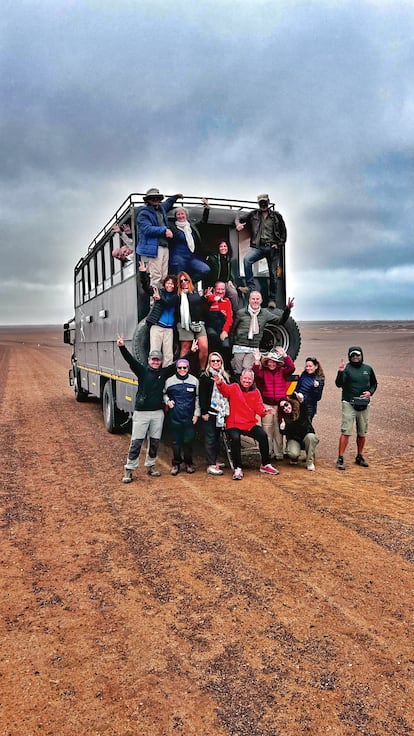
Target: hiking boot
214,470
269,469
190,469
340,463
310,466
153,472
238,474
127,476
360,460
175,470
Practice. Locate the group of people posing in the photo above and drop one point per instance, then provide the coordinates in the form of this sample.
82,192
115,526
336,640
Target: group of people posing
254,404
236,389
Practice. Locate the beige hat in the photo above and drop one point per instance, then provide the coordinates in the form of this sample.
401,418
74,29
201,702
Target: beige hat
274,356
150,193
261,197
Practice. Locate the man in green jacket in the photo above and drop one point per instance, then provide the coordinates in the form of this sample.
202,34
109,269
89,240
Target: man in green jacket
358,383
247,330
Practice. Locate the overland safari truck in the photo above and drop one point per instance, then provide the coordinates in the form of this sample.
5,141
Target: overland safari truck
109,300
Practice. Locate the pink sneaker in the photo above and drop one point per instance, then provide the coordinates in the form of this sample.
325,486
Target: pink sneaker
269,469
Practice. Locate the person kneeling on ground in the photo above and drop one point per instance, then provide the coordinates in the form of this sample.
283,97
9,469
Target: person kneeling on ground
294,422
181,398
245,403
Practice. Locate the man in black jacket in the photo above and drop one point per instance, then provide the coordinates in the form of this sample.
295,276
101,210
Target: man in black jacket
267,236
148,417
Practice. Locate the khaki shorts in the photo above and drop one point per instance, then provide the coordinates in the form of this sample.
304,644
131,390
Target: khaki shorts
349,415
188,335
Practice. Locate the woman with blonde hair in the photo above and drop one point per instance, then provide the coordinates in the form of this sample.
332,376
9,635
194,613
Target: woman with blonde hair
214,409
190,318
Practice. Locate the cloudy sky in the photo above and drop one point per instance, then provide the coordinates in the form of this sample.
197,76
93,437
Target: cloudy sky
312,101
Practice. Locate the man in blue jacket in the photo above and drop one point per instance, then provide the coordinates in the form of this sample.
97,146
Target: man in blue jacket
358,383
154,232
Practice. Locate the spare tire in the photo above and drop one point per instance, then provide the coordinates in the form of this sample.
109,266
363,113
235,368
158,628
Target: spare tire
140,342
286,336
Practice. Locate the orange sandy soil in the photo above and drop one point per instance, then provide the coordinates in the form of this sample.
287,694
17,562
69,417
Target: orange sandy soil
275,606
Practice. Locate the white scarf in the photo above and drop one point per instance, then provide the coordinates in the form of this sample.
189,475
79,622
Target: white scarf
186,228
254,324
185,311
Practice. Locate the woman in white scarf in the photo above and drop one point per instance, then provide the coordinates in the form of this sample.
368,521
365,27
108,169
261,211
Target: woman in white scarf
183,247
190,318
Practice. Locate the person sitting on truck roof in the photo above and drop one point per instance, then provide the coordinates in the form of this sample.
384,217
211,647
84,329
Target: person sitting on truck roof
267,236
221,270
247,330
185,243
148,417
154,233
161,318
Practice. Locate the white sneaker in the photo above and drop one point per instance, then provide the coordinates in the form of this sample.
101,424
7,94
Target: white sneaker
238,474
127,476
310,466
214,470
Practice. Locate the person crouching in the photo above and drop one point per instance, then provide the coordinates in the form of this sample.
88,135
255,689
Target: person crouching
294,422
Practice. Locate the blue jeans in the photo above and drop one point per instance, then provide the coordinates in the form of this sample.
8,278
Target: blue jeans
272,258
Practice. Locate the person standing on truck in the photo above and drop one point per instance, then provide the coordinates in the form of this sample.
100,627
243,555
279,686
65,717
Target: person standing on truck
358,383
185,245
247,330
267,236
154,233
161,318
148,417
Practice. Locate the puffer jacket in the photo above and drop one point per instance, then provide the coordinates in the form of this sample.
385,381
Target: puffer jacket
148,228
311,394
273,384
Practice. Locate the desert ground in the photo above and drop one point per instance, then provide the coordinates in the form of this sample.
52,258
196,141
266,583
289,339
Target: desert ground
194,605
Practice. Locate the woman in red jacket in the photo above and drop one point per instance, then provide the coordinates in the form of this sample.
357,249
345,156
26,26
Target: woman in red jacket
245,403
272,372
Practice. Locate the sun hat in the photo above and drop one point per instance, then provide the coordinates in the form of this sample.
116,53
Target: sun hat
152,193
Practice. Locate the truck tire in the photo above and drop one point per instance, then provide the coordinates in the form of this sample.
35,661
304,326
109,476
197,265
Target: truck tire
140,342
111,414
286,336
80,394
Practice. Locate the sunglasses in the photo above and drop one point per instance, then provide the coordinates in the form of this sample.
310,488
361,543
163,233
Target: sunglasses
182,367
284,405
215,360
183,281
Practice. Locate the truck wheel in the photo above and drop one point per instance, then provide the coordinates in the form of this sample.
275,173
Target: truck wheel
110,411
80,394
140,342
286,336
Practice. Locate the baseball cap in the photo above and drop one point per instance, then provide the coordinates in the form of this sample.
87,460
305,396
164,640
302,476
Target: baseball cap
155,354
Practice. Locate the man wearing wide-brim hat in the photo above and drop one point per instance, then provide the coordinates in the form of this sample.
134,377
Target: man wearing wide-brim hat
154,232
267,236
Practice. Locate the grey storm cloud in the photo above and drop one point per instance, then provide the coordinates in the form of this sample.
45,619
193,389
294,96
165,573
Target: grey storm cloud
311,101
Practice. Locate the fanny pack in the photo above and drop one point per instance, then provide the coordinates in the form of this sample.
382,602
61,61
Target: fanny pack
359,403
196,326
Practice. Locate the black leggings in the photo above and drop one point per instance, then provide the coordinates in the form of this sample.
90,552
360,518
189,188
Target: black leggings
257,433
